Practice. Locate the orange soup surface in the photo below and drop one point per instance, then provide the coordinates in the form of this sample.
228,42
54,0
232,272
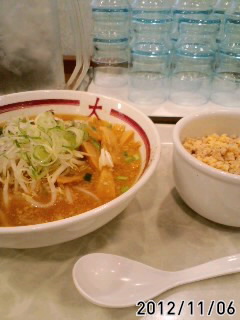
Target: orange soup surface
107,163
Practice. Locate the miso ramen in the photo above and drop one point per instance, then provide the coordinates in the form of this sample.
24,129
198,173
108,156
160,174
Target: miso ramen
57,166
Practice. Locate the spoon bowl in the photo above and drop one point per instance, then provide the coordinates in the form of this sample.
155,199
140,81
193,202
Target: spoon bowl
117,282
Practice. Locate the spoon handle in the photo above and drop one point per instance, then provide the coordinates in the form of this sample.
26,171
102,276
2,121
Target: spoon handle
215,268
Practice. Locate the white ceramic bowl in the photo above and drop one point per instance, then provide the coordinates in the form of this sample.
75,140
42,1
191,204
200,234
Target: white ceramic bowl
212,193
72,102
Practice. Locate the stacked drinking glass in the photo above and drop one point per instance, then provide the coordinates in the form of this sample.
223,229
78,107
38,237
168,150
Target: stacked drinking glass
150,51
219,11
194,61
226,81
110,41
187,50
196,9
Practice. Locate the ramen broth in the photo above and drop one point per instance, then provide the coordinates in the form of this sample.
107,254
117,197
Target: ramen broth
87,187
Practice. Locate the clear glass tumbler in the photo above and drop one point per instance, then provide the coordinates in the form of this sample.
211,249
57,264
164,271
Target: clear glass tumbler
110,56
219,11
151,9
193,61
197,9
110,42
226,81
150,61
233,11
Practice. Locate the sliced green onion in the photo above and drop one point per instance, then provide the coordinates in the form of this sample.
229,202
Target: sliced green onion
85,135
136,157
123,178
79,133
56,130
40,153
17,143
24,138
22,128
129,159
96,144
28,158
60,124
69,140
124,189
46,120
35,138
34,174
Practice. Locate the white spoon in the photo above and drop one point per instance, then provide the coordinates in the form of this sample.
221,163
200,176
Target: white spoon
114,281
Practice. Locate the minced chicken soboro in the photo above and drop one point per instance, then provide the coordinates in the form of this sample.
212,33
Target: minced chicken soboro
105,163
218,151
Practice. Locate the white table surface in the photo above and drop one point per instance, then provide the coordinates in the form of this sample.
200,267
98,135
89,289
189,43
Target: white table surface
157,228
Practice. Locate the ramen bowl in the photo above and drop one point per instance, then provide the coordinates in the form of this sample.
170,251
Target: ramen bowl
212,193
87,104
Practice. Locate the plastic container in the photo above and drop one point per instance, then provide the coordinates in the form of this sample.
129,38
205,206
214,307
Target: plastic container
110,42
193,61
226,81
150,61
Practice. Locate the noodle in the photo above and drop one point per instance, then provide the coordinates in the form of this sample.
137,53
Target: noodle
44,205
68,195
88,193
5,191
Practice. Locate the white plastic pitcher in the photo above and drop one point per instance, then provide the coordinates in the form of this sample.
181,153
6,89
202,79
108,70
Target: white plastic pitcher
30,49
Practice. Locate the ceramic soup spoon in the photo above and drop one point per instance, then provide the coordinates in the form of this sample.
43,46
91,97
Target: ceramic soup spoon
114,281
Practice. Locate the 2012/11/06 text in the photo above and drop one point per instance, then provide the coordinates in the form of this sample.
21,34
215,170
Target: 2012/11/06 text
191,308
